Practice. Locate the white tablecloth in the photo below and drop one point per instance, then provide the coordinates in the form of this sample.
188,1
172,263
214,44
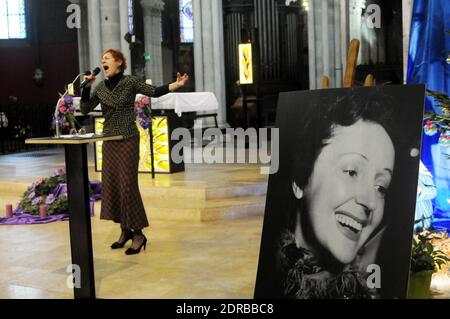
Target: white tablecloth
186,102
179,102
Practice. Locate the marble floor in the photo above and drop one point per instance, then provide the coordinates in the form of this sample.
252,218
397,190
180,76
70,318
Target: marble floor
184,258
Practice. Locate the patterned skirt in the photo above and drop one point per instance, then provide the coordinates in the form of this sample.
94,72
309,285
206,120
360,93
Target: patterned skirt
121,199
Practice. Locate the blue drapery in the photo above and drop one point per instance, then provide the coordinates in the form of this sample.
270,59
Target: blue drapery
428,51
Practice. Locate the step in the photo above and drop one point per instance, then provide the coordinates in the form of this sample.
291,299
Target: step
13,188
203,192
198,203
210,210
17,188
7,199
258,189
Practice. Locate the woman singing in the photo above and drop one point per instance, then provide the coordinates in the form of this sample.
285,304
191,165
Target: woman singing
121,199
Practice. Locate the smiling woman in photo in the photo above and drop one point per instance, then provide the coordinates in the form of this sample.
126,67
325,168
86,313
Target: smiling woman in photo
339,213
342,168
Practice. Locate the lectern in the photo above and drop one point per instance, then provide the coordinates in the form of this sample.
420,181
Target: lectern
79,211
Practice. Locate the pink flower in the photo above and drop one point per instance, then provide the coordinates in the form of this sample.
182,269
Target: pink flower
145,100
59,171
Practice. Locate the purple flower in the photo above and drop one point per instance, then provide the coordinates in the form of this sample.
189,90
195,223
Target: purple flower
32,195
36,201
50,199
144,123
68,99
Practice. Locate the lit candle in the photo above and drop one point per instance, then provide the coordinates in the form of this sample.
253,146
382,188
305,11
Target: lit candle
70,89
43,211
59,171
9,211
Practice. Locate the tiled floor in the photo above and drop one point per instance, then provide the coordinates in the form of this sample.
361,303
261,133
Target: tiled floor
184,259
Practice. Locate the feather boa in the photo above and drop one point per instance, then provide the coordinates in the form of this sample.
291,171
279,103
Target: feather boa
304,278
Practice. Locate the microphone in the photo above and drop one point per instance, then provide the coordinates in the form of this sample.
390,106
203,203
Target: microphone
86,82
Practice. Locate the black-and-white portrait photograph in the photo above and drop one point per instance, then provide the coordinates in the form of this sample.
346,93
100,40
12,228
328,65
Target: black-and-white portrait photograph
340,210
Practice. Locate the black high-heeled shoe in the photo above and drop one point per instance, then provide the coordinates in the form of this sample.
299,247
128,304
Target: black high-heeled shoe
117,244
132,251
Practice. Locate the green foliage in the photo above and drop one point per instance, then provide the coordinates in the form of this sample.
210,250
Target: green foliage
424,255
41,192
442,101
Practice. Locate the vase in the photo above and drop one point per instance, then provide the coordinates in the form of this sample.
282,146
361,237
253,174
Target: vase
419,284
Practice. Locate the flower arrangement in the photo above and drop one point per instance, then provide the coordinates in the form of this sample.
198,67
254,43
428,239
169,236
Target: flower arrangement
46,191
66,111
143,112
439,122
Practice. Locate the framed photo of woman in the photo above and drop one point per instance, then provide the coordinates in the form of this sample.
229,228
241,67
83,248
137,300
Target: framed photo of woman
340,210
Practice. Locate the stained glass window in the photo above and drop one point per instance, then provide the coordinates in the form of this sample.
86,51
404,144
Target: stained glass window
130,17
12,19
186,21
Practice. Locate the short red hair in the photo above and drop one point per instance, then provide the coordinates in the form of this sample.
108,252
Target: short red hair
118,56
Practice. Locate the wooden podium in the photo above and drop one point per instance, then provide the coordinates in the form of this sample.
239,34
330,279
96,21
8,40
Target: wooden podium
79,210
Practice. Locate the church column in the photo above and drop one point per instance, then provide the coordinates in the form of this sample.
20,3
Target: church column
95,38
152,29
324,42
407,7
124,28
110,24
83,36
209,52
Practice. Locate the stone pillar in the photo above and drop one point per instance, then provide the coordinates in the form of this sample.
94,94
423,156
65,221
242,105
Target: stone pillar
344,30
355,29
152,29
372,40
124,28
209,52
94,31
110,24
324,42
407,7
83,36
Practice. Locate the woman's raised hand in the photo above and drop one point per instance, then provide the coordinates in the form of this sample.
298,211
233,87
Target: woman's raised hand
181,80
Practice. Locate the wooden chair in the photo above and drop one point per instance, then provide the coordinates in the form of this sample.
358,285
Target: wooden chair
350,69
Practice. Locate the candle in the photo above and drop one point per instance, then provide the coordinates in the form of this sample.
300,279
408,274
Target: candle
9,211
70,89
43,211
59,171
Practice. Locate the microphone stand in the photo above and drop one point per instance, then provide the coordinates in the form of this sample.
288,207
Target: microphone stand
58,132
